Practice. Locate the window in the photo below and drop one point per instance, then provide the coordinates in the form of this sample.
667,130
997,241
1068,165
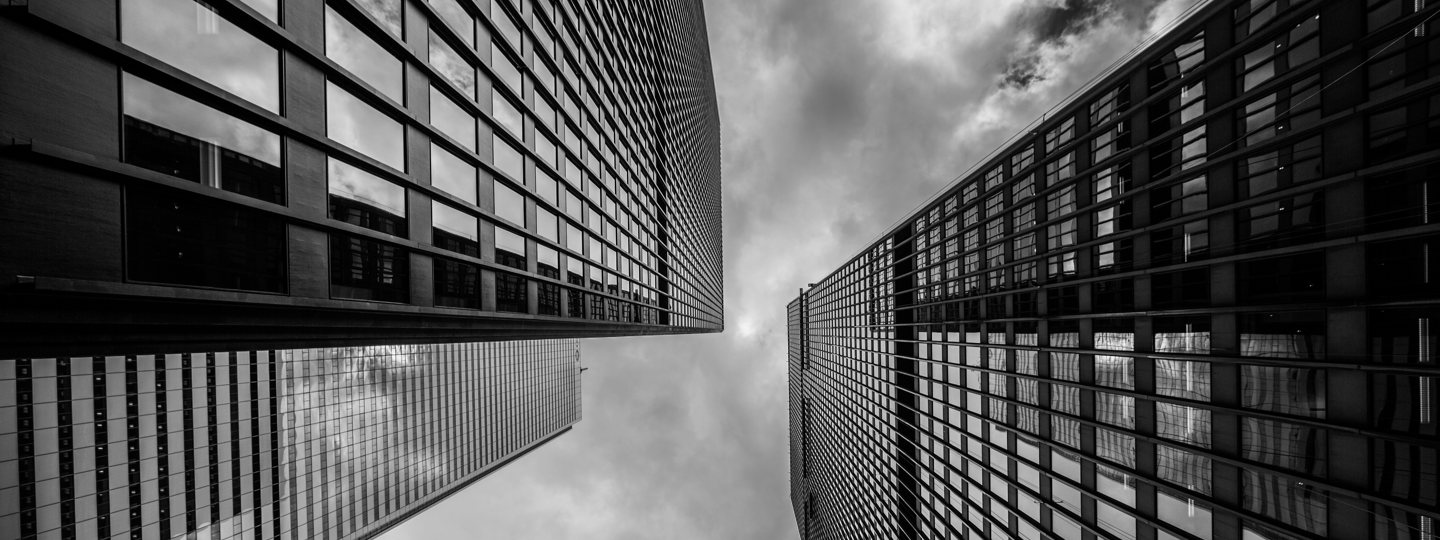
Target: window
1279,168
1178,199
454,230
1287,110
451,66
1283,390
1025,275
1060,202
506,114
363,269
993,178
503,25
1292,278
994,230
1284,445
1391,68
972,216
193,37
1060,235
509,204
1284,222
1178,154
1062,134
508,160
1022,159
1061,266
348,46
1182,379
547,225
510,249
458,19
452,120
505,70
1110,105
1402,267
971,191
1113,296
1024,246
1403,131
354,123
179,238
1112,257
1183,468
171,134
511,293
1113,219
1177,62
388,13
1177,110
1112,181
360,198
994,204
1293,334
1110,142
1180,244
1060,170
1252,15
451,174
456,284
1062,301
1287,51
1181,290
1023,217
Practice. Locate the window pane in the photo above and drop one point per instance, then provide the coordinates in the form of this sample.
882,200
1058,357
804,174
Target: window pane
175,135
354,123
506,114
363,199
508,159
510,249
358,54
451,66
270,9
451,174
451,120
185,239
387,12
457,17
364,269
454,230
191,36
509,204
505,69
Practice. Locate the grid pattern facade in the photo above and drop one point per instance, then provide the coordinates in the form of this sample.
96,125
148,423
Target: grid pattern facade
1194,302
535,160
296,444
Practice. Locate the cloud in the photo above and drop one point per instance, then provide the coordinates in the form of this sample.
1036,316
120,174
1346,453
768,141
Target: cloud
837,119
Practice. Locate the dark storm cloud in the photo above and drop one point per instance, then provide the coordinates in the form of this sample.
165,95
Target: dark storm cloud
837,118
1049,23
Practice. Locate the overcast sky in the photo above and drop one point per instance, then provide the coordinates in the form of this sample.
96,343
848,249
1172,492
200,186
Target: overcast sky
838,117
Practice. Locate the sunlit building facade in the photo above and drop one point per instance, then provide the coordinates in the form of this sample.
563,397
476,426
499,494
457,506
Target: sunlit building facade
306,172
335,443
1194,302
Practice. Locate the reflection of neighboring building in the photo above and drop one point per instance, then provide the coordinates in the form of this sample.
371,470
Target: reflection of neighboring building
298,443
1192,303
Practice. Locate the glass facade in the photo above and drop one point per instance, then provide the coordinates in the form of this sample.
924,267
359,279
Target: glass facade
392,151
299,443
1218,319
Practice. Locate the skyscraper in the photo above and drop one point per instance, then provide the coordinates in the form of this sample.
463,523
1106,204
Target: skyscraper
188,175
265,260
1193,302
308,443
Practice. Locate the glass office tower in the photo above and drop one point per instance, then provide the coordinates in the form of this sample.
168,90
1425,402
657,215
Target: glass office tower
298,443
326,172
266,262
1192,303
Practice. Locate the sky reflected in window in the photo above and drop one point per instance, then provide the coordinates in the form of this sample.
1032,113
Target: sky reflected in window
197,40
